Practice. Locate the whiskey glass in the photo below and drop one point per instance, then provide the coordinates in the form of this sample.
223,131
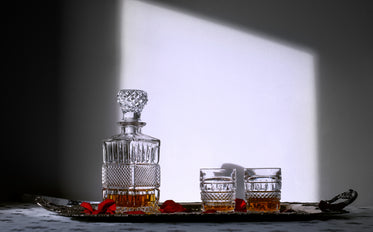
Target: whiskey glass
263,189
218,189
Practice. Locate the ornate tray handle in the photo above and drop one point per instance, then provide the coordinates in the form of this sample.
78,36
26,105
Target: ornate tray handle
332,205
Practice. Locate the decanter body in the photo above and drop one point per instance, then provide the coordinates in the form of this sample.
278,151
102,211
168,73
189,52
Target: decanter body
130,170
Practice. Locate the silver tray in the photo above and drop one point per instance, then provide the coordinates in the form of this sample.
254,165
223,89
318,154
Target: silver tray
290,211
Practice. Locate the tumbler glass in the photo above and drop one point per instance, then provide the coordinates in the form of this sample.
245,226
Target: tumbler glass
218,189
263,189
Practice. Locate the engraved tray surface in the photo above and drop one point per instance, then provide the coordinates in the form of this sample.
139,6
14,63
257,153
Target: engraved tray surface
290,211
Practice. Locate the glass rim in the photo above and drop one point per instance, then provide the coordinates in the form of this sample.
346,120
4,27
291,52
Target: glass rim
217,169
207,173
251,173
264,168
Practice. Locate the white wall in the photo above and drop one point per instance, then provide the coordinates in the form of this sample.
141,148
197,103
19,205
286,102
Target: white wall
221,95
339,33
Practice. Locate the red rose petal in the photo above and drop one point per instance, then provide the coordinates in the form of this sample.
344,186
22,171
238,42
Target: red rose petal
240,205
86,211
95,212
106,207
111,209
167,203
88,207
170,206
103,206
168,209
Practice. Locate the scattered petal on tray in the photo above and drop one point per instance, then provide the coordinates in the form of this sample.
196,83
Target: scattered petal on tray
106,207
170,206
240,205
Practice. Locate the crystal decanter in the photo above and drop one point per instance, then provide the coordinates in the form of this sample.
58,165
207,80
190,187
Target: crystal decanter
130,170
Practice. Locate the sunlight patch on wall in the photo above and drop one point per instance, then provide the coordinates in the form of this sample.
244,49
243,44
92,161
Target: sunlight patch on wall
220,95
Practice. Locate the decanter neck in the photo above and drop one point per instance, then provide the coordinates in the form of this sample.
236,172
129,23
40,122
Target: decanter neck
131,117
131,127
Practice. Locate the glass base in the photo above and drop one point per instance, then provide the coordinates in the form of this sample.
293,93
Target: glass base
263,204
218,206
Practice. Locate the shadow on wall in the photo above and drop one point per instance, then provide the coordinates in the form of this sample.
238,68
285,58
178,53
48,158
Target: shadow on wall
240,172
88,88
344,84
29,158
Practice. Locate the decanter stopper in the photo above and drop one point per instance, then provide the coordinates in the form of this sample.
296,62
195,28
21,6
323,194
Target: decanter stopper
131,102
